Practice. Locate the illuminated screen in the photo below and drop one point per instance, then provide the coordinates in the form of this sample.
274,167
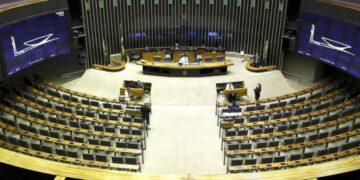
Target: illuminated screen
331,41
33,40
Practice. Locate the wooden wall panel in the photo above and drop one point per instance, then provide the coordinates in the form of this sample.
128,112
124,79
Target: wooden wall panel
240,25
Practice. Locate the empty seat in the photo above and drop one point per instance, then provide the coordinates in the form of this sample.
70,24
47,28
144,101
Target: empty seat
287,114
110,129
261,107
127,119
295,157
293,126
136,132
308,155
250,108
245,146
299,140
282,128
130,160
60,152
242,133
72,154
257,131
105,143
236,162
67,137
118,160
107,105
66,97
266,160
88,157
116,106
112,117
250,161
36,147
133,145
268,130
74,124
264,118
254,119
84,101
323,135
230,133
121,145
261,145
273,144
231,147
125,131
273,105
94,141
103,116
85,126
333,150
23,143
101,158
277,116
79,139
279,159
313,137
288,141
94,103
322,152
98,128
282,103
44,132
47,149
55,134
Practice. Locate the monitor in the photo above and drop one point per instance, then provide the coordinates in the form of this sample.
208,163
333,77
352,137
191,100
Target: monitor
331,41
35,39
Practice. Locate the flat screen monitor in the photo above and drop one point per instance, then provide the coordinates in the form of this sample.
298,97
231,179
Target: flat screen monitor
35,39
331,41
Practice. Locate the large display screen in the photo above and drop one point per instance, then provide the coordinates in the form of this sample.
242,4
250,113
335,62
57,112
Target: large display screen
331,41
33,40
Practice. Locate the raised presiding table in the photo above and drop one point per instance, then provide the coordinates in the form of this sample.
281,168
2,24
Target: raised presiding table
191,69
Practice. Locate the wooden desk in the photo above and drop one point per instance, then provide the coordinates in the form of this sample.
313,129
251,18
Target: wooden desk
192,70
112,68
249,66
149,56
134,92
237,91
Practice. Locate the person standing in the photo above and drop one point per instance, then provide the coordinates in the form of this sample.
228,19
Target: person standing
145,113
257,91
127,95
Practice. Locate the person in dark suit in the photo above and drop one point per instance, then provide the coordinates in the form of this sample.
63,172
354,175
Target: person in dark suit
145,113
231,97
257,91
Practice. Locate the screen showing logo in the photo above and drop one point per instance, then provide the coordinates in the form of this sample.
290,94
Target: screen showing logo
34,40
331,41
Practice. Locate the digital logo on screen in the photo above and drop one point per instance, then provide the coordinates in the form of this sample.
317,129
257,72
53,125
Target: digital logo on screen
31,44
331,41
34,39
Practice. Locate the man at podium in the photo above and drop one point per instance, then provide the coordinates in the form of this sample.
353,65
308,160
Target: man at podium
184,60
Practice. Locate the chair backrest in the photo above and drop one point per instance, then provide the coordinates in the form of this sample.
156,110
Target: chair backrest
118,160
236,162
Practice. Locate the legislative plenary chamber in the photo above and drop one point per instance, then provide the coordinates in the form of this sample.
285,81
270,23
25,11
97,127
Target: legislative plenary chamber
179,89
